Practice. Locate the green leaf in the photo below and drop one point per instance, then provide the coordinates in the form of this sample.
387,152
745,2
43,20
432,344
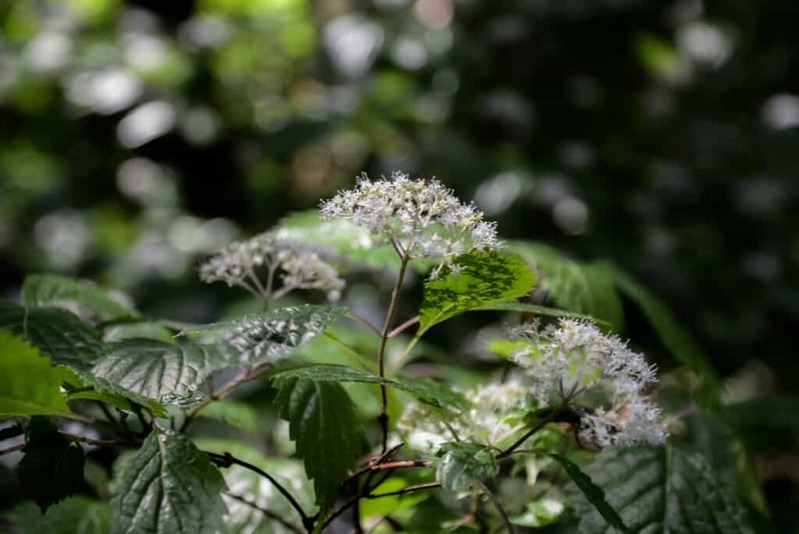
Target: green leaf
52,468
169,487
485,278
266,337
431,392
234,413
28,385
674,336
324,426
59,334
145,370
75,515
426,390
462,464
326,372
660,489
384,506
591,491
578,287
53,290
144,329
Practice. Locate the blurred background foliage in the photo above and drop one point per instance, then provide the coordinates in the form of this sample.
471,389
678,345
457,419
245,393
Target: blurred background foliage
662,135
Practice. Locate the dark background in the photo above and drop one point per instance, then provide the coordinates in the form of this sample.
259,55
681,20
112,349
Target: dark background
661,135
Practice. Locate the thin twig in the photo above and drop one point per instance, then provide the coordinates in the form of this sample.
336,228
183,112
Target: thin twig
269,513
400,464
381,360
352,315
13,448
245,375
403,491
541,424
498,506
401,328
227,459
91,441
367,488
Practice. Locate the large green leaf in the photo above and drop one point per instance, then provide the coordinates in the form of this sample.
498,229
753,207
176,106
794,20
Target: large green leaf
661,489
578,287
591,491
145,370
326,372
426,390
28,385
674,336
52,468
462,464
266,337
323,424
483,278
75,515
54,290
169,487
59,334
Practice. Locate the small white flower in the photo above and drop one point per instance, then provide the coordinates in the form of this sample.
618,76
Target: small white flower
421,219
573,362
491,418
239,263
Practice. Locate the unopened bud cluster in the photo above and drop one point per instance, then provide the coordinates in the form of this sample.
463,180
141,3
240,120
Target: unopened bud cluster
240,264
421,219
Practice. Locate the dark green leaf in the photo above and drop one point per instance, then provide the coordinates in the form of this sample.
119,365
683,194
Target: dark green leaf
325,428
59,334
28,385
432,392
725,455
169,487
52,468
661,489
54,290
385,506
427,390
462,464
674,336
578,287
145,369
326,372
144,329
591,491
485,278
266,337
75,515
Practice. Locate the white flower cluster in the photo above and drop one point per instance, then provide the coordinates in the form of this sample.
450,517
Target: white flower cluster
492,418
239,263
421,219
574,362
